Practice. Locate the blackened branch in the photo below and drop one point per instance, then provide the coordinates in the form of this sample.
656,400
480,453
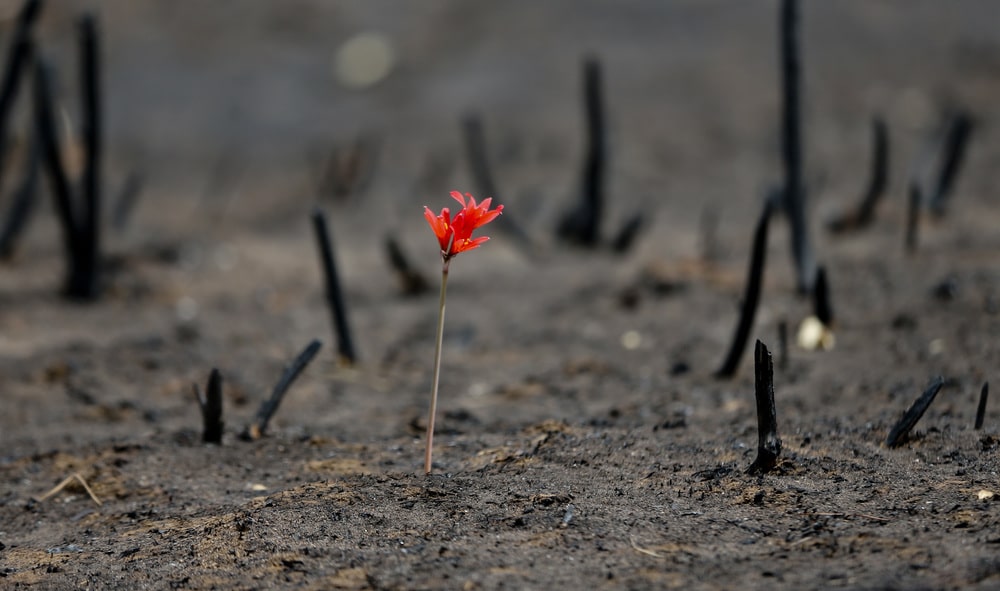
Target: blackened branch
751,297
864,215
581,225
334,293
86,284
410,280
913,217
984,394
955,143
23,204
629,232
595,166
80,222
18,56
822,307
211,408
768,443
791,136
48,138
270,406
898,434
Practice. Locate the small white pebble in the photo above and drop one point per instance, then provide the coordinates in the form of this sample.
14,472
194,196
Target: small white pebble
631,340
814,335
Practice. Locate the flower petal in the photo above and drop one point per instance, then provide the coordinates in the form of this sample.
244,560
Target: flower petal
431,218
490,216
469,244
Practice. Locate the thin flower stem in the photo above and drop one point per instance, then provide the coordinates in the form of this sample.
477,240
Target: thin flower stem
437,370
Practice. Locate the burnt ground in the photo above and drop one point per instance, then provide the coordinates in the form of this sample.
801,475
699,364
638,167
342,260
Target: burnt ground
582,438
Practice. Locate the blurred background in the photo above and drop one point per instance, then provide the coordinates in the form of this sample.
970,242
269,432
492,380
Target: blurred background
222,95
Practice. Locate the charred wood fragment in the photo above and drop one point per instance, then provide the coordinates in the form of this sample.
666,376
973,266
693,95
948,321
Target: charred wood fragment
258,428
913,217
751,297
86,282
791,146
411,281
80,222
19,54
900,431
23,205
864,215
822,307
984,394
334,293
210,403
52,159
956,141
629,232
768,443
581,225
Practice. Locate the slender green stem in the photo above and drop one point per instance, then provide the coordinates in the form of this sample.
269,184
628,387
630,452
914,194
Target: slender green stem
437,370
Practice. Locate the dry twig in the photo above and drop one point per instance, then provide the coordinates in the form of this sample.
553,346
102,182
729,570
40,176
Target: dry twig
74,476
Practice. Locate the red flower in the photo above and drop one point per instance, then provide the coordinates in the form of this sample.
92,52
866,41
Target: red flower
455,234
